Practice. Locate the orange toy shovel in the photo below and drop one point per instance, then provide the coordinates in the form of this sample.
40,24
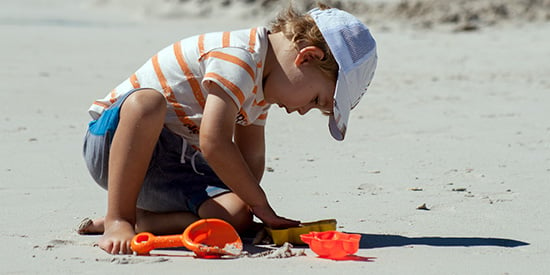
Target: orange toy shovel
208,238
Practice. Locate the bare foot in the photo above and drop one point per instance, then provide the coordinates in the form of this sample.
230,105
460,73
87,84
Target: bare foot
89,226
117,237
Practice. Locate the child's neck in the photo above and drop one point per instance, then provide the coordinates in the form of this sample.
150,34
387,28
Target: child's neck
280,50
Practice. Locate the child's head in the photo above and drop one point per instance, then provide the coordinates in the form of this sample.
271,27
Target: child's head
349,54
301,29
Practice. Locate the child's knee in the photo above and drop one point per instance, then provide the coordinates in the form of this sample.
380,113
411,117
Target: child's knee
242,220
228,207
145,102
240,215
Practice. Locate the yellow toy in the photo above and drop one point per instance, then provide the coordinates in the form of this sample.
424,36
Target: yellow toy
292,234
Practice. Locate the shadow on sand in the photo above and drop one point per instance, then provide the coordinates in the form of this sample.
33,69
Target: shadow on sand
380,241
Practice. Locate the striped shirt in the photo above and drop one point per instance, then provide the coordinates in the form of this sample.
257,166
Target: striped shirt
233,60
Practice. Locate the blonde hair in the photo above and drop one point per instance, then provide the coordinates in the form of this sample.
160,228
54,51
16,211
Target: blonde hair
302,30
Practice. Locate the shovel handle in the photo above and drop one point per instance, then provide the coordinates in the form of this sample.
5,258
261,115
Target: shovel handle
144,242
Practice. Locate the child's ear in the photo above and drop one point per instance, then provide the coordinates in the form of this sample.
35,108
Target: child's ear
308,54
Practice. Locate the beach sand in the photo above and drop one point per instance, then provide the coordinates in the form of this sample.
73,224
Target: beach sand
457,118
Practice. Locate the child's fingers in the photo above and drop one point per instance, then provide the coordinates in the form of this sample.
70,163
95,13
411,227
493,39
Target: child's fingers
281,223
271,219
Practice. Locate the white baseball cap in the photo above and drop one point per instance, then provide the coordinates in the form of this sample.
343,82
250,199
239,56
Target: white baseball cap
354,49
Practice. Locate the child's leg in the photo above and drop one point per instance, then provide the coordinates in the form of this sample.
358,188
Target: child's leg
228,207
141,120
146,221
164,223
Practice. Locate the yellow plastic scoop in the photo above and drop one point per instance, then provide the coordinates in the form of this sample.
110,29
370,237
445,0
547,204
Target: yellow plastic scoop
292,234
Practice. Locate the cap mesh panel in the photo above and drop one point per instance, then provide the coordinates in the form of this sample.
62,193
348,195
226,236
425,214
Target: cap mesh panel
358,41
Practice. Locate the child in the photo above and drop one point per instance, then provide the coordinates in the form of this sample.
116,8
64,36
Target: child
183,137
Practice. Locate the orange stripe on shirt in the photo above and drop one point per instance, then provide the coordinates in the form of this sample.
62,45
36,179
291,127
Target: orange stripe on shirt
225,39
101,104
201,44
193,82
252,40
134,81
230,85
169,94
113,96
263,116
233,59
261,103
163,83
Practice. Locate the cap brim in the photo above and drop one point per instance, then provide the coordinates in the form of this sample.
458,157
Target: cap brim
338,121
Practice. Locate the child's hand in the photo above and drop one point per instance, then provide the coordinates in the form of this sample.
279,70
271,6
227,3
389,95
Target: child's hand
117,237
270,219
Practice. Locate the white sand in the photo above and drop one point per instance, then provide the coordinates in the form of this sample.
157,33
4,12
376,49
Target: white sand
447,110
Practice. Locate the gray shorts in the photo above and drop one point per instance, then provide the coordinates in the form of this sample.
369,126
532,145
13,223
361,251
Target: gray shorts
174,182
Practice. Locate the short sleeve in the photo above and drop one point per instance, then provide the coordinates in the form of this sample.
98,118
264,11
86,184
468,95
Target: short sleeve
233,69
262,118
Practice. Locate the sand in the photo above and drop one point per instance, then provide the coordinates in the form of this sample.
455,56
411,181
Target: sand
455,120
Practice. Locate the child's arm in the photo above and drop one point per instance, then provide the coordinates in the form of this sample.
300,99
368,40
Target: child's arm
251,143
226,159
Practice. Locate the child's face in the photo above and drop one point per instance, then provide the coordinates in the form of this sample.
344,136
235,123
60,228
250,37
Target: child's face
300,87
314,94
